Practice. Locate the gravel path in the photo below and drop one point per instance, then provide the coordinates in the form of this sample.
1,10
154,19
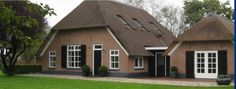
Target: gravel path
178,82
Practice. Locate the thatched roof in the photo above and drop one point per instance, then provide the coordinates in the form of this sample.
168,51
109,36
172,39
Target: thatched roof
104,13
211,28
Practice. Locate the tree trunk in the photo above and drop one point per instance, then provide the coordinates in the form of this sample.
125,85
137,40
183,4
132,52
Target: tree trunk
9,71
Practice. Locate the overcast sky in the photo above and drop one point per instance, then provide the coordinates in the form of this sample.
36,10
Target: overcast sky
64,7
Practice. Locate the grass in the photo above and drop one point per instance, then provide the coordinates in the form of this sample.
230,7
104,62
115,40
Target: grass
20,82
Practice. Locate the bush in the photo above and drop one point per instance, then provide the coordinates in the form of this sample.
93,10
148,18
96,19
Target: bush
25,69
174,69
85,70
103,71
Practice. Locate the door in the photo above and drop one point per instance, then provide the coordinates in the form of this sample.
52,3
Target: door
206,64
97,58
160,65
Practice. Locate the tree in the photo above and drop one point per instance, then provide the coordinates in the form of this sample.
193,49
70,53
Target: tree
194,10
21,27
169,16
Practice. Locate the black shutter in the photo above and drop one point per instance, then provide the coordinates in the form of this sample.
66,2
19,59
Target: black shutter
222,62
83,55
63,56
189,64
167,65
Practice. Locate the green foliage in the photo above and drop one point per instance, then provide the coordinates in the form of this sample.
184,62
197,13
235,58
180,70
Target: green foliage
103,71
22,26
194,10
173,69
85,70
25,69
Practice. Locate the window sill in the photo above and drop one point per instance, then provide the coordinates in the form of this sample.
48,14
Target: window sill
114,69
51,67
139,68
73,68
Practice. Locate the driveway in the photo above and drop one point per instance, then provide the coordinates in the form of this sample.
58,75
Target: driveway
148,80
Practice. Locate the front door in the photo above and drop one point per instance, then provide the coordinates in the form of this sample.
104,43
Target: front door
206,64
159,65
97,57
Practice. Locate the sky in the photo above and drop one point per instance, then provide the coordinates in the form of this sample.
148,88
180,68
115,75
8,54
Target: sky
64,7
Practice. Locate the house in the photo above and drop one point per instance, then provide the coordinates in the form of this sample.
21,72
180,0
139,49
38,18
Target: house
128,40
205,50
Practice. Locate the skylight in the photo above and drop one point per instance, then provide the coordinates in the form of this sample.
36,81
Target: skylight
127,26
139,24
156,28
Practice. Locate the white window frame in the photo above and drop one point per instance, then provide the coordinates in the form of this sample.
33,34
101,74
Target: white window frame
140,59
74,56
52,54
110,59
206,74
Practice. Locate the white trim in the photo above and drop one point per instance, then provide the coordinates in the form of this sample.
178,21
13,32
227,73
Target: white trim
67,57
139,66
206,74
93,56
175,48
48,43
156,48
156,63
110,59
49,59
109,30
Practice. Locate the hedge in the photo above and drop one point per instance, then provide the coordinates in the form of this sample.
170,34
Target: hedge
25,69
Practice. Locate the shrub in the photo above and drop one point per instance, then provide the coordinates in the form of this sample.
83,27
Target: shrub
174,69
103,71
85,70
25,69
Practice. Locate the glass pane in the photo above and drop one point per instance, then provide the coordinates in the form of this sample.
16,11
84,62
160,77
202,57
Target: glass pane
214,54
202,55
116,65
198,55
116,52
214,71
198,71
136,62
112,52
209,71
202,71
140,62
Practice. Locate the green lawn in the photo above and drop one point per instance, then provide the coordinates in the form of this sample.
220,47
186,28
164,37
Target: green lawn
19,82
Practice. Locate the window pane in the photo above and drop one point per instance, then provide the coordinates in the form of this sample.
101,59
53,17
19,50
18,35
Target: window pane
136,62
140,62
116,65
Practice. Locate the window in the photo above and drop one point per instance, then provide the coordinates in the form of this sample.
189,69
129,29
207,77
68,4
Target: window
139,24
114,59
138,62
52,59
127,26
156,28
73,56
206,64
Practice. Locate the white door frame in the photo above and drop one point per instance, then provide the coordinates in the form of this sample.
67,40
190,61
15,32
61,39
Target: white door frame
206,74
156,59
93,56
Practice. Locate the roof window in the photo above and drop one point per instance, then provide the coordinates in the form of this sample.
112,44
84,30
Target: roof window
139,24
127,26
